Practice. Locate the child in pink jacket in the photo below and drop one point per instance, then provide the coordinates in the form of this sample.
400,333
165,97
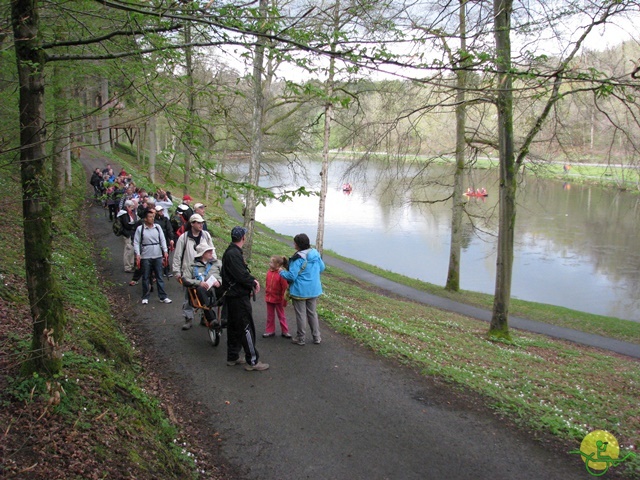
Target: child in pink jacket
275,288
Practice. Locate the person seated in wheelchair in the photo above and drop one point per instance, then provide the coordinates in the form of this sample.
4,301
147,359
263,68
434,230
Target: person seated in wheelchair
204,276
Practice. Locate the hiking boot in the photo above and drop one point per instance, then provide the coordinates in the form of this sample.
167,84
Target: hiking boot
187,324
258,367
239,361
316,341
297,341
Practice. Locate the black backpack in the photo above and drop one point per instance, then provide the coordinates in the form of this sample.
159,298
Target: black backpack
176,221
117,227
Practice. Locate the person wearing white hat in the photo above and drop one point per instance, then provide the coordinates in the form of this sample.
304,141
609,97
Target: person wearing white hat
184,256
199,209
204,274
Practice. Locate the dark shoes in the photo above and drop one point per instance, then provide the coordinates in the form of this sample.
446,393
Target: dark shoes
239,361
273,334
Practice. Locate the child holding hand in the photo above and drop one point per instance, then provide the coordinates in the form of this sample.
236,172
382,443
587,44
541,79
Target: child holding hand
276,286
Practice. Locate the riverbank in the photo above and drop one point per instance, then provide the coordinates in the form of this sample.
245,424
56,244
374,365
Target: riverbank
602,174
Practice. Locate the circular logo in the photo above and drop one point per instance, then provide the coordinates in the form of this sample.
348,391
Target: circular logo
599,448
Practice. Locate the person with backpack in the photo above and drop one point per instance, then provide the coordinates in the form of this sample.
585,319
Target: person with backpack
127,219
179,222
151,253
167,229
184,256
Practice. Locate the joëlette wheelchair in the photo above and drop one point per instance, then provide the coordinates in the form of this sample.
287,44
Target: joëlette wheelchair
215,324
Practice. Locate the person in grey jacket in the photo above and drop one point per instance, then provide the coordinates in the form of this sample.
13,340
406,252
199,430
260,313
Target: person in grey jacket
184,256
304,287
151,252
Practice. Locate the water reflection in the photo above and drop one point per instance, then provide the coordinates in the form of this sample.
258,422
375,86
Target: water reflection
577,247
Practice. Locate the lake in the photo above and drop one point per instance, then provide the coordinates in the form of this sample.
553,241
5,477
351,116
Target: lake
575,246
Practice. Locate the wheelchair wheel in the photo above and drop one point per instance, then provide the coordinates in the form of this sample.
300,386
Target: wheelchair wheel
214,335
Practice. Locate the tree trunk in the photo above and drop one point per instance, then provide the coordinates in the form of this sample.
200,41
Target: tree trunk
60,138
328,117
188,136
453,274
44,298
104,120
256,135
507,193
152,148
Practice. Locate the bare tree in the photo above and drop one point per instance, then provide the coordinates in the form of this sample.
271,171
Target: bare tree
257,125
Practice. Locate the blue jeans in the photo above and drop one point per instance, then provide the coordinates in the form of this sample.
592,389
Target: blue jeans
155,264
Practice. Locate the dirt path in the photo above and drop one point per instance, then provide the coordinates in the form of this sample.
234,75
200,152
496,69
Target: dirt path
329,411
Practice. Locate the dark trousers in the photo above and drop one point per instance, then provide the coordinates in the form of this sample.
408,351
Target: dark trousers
206,299
241,331
147,265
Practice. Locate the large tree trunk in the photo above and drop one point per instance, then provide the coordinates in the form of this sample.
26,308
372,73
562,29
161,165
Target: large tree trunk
257,122
44,298
507,210
453,274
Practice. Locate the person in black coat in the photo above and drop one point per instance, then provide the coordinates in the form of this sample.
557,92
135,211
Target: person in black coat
167,229
240,285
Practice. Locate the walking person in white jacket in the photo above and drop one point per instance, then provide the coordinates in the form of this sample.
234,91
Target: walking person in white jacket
184,256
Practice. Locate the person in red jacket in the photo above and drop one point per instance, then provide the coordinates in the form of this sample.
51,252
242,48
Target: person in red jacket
275,288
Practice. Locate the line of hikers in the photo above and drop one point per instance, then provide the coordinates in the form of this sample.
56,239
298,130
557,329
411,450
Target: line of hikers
151,234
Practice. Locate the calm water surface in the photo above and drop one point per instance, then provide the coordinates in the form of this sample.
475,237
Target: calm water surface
577,247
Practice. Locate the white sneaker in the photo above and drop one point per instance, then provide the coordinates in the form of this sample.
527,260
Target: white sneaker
166,300
145,301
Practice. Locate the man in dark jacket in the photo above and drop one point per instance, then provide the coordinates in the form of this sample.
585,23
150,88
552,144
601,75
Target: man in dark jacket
96,182
167,229
239,286
129,220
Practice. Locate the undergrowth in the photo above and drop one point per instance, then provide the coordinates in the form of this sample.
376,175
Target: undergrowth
99,401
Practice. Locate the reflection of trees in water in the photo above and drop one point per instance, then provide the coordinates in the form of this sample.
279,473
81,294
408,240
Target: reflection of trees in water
603,225
584,224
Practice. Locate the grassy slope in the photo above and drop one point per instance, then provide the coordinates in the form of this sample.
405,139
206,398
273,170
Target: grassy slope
106,424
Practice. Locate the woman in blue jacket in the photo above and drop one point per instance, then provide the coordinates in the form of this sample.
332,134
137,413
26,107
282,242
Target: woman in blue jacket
304,287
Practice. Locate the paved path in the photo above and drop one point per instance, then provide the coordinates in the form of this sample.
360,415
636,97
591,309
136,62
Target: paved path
592,340
331,411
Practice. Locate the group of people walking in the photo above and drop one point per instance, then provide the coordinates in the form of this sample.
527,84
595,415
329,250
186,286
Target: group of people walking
150,236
